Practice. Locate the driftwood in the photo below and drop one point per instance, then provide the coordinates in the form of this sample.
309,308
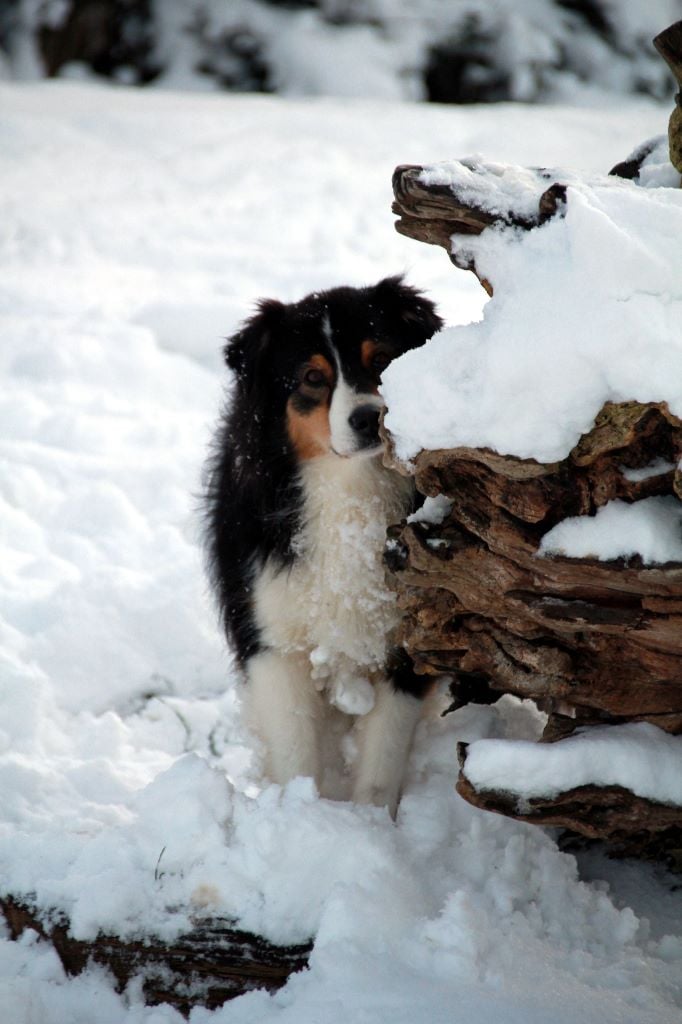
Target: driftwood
207,966
632,825
591,642
434,214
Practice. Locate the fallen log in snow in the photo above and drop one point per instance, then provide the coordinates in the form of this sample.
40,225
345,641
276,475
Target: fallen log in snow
207,966
633,826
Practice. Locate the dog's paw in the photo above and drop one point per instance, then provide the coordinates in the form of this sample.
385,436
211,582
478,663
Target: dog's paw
378,796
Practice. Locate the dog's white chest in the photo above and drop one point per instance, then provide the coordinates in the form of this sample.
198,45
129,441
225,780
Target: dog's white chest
333,602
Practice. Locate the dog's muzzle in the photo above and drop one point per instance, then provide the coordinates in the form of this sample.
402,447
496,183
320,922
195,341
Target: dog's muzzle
364,422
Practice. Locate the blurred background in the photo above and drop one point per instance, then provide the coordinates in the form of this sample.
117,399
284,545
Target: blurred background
443,51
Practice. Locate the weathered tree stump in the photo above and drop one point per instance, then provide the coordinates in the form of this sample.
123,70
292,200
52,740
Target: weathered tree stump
551,629
591,642
207,966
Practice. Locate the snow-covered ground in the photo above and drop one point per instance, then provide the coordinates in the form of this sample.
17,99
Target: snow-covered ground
136,229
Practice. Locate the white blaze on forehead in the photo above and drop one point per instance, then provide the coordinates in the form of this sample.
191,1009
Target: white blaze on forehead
345,399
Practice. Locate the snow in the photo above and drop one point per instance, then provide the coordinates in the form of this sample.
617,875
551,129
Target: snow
138,229
636,756
657,467
651,528
656,170
434,510
497,188
586,310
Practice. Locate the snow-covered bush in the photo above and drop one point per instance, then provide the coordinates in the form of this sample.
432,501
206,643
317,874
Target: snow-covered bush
460,51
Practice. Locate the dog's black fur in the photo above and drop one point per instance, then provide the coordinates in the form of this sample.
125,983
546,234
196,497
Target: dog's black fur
254,497
296,469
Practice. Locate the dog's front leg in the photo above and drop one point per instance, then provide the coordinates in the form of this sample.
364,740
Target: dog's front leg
285,709
384,741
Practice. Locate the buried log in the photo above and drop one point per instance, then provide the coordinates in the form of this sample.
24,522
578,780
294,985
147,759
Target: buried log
591,642
207,966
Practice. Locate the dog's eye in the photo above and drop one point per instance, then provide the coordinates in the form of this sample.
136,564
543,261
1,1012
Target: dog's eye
315,378
380,361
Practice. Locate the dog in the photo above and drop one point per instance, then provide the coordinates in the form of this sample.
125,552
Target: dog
298,502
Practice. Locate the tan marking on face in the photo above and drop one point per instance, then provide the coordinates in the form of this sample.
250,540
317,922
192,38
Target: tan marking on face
309,433
321,363
367,350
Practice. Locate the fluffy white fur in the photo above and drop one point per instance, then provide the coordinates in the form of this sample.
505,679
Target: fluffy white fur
328,620
297,504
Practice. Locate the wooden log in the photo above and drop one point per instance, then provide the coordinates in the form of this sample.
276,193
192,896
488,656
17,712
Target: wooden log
634,826
669,45
448,214
591,641
440,215
207,966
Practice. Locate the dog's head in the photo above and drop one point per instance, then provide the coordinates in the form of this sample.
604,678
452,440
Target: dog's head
315,365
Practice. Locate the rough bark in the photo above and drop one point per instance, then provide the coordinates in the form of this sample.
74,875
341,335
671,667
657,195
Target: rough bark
207,966
437,215
591,642
631,824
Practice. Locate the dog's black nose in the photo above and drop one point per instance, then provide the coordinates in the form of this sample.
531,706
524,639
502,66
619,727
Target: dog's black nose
365,422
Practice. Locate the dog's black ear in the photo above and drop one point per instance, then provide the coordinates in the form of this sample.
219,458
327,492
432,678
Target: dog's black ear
246,346
413,308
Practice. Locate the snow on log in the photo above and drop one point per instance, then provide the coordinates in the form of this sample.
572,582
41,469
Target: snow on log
432,207
632,825
447,204
548,563
211,964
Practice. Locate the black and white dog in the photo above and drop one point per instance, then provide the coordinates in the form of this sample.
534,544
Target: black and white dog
298,504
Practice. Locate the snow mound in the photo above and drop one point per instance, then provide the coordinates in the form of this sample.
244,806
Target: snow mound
651,528
586,310
131,795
